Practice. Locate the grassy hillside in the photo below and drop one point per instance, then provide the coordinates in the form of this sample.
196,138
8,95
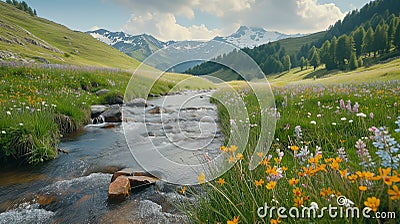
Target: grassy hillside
41,40
293,45
379,72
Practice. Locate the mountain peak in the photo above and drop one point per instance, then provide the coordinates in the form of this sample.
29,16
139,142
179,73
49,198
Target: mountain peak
250,37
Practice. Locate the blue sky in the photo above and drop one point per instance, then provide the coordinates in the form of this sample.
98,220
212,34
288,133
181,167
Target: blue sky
194,19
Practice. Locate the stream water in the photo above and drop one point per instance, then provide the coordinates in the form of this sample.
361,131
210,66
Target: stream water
73,187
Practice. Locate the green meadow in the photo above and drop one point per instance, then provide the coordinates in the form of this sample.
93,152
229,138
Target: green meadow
331,140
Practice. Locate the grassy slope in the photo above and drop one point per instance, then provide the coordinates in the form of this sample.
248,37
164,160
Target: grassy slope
293,45
379,72
81,48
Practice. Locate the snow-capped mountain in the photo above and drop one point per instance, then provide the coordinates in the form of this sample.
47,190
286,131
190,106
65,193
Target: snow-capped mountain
251,37
142,46
138,46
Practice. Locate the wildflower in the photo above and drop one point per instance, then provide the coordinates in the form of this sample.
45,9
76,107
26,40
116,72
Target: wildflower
21,124
259,183
224,149
334,123
395,193
294,148
265,162
355,107
343,119
293,181
362,188
348,106
272,171
298,201
351,121
297,192
231,159
239,156
277,160
373,203
361,115
275,221
298,132
313,122
233,148
326,192
371,115
260,154
8,113
342,105
384,175
182,190
234,221
271,185
343,173
201,178
352,177
334,165
284,168
221,181
3,132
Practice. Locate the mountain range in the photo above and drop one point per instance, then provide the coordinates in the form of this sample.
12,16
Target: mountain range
142,46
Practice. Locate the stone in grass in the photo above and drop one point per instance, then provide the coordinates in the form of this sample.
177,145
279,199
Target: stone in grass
138,102
113,114
102,92
119,189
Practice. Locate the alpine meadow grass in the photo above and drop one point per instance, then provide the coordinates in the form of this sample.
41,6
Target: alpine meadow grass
331,143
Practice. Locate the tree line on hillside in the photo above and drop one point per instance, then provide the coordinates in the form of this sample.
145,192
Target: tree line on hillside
363,37
23,6
364,43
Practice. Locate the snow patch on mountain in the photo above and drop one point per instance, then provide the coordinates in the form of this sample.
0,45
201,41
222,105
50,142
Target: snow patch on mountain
251,37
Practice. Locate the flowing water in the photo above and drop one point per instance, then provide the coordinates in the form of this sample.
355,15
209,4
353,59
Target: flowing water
73,187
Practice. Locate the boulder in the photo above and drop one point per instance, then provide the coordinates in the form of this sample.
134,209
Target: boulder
119,189
139,102
97,110
137,181
102,92
113,114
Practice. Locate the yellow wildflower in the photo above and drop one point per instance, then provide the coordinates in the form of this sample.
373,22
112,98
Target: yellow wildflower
201,178
259,183
373,203
294,148
298,201
293,181
362,188
234,221
239,156
224,149
221,181
271,185
395,193
233,148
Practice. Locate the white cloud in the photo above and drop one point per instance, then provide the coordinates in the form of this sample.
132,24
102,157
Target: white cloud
158,18
318,16
165,27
